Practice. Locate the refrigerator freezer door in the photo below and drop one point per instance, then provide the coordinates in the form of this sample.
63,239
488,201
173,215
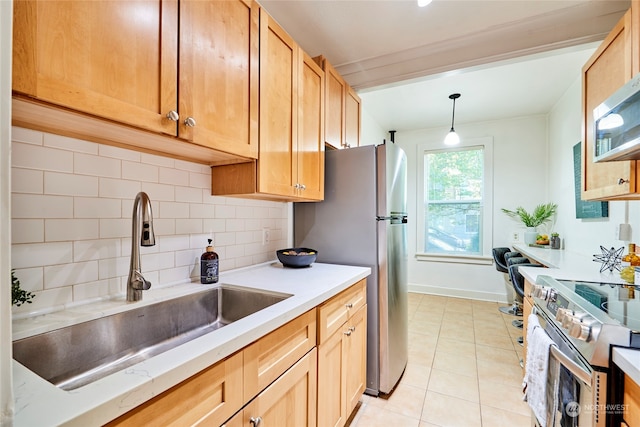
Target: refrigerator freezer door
392,180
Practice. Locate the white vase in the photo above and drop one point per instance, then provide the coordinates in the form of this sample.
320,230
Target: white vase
530,235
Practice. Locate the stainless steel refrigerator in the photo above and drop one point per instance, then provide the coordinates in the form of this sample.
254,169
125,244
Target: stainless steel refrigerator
362,221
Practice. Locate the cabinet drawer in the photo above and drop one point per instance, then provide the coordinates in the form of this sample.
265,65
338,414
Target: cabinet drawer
207,398
270,356
333,313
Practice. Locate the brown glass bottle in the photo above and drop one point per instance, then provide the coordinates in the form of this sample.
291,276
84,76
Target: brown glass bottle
209,266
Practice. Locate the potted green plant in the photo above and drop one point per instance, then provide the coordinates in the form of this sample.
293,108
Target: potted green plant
18,295
540,215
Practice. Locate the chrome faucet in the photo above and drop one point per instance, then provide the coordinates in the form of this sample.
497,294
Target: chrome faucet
141,214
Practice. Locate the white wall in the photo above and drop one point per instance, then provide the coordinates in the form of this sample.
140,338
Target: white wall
6,391
371,133
520,178
581,235
72,203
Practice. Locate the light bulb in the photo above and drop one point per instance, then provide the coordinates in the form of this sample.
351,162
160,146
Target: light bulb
423,3
452,138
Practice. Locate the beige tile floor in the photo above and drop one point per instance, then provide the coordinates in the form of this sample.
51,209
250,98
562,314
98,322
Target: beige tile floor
463,369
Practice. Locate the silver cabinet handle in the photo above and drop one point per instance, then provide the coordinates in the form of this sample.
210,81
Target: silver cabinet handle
348,333
352,328
173,116
350,305
303,187
296,185
255,422
190,121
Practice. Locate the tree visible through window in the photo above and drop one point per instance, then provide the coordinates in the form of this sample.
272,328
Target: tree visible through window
453,200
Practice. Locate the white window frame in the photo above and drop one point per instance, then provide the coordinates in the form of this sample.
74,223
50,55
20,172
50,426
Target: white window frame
487,198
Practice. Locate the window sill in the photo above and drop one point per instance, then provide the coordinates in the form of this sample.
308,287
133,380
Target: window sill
459,259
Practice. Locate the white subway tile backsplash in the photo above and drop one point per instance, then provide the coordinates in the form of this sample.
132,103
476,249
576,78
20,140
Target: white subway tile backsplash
41,254
173,210
56,230
26,135
94,207
188,226
110,228
70,144
86,164
139,172
27,230
85,250
98,289
27,181
118,153
117,188
70,185
72,204
57,276
173,177
41,206
188,194
41,158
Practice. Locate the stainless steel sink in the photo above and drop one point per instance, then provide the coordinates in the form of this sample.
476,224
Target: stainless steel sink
77,355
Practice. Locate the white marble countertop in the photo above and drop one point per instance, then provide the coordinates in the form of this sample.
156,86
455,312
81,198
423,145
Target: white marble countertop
39,403
628,360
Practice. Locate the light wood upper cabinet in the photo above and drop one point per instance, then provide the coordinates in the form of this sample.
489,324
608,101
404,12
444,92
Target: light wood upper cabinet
116,60
342,109
607,70
290,163
219,74
187,71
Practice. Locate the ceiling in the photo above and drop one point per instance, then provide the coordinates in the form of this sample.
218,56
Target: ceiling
507,57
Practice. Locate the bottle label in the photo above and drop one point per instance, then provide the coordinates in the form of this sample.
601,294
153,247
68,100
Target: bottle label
208,271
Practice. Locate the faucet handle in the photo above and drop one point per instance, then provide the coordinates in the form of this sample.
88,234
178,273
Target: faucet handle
140,283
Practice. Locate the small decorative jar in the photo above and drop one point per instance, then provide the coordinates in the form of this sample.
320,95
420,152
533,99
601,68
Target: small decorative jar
554,241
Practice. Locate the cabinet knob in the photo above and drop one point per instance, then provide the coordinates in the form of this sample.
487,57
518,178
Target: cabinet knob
255,422
350,305
622,181
190,121
352,328
348,333
173,116
303,187
296,186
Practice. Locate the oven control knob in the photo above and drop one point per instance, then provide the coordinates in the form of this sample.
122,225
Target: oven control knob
579,330
562,314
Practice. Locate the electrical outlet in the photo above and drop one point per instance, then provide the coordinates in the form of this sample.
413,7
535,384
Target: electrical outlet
265,236
515,237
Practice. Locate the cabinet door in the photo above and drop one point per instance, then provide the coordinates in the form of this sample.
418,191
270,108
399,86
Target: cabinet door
219,74
277,169
310,141
334,107
112,59
606,71
332,398
290,401
356,358
352,118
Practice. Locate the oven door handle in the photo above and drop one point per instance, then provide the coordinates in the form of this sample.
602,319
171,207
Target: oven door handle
572,366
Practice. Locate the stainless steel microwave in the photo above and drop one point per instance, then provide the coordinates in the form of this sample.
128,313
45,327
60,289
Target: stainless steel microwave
617,124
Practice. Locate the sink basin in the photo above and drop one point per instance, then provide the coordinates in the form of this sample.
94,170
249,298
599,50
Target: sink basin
77,355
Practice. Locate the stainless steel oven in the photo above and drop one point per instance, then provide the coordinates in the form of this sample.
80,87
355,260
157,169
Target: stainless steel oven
584,320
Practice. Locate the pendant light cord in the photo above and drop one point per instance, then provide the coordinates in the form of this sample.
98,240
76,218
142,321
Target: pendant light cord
453,96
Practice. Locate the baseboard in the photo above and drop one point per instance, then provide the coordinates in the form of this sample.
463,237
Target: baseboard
459,293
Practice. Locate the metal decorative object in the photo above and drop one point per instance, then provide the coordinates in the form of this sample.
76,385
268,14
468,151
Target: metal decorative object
610,258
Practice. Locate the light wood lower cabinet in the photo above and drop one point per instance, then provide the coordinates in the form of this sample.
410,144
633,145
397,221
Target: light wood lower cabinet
290,401
341,355
631,402
207,398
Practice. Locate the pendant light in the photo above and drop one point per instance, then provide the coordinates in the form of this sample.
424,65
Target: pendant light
423,3
452,137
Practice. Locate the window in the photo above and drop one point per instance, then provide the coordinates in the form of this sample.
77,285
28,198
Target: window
454,200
